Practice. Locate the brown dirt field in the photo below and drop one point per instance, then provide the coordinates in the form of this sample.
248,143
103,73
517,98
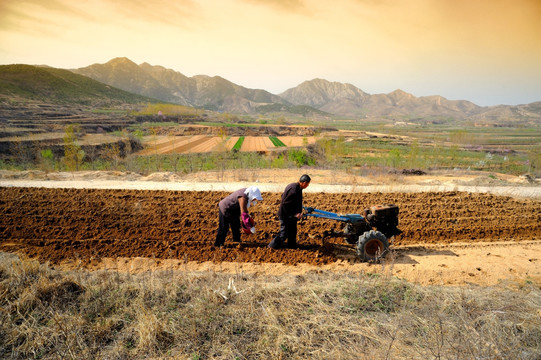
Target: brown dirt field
157,144
268,143
174,144
157,140
92,228
231,142
206,143
297,140
167,147
210,144
254,143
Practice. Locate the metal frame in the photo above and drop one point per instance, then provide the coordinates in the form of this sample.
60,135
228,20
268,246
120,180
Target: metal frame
349,218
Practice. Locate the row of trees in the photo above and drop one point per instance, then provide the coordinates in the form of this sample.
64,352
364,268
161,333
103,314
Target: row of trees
70,155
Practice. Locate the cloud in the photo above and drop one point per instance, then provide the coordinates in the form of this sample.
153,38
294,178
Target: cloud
38,15
176,13
36,18
286,5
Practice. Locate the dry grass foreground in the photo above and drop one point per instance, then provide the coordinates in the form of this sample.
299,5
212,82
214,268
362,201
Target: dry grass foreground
50,314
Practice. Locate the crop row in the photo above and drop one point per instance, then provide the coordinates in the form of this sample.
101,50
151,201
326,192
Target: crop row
238,144
277,142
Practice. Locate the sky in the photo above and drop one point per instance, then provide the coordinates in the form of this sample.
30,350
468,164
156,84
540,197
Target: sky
484,51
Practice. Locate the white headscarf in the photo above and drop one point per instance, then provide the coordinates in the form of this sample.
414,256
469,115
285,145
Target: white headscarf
253,194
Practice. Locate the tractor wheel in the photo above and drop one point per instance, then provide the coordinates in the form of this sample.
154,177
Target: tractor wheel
372,246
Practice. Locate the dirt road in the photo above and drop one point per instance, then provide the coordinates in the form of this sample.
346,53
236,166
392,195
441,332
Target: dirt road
449,237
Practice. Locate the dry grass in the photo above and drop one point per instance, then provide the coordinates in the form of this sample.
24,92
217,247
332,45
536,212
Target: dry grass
49,314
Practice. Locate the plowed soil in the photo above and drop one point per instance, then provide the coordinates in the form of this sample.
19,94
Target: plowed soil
207,143
59,225
256,143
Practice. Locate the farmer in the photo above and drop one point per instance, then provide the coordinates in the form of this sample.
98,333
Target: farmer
231,208
289,213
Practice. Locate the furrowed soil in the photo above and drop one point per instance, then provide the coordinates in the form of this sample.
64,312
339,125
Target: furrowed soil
449,237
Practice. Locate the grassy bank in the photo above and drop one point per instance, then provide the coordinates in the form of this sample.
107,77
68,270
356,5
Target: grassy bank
48,313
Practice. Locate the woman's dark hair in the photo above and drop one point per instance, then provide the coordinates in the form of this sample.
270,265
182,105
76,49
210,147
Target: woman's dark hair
305,178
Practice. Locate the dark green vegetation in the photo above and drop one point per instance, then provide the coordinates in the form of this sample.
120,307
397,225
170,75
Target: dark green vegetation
238,144
49,314
277,142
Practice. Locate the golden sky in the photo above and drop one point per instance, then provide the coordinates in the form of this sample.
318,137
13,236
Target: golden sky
485,51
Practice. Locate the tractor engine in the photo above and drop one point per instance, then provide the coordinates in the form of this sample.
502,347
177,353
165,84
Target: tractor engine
384,218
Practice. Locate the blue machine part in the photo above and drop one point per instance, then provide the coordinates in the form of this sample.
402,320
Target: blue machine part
349,218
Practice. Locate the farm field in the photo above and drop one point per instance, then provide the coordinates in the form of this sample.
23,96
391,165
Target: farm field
257,143
58,137
297,140
207,143
87,225
179,144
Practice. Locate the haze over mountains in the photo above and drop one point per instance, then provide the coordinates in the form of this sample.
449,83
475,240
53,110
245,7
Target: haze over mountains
346,100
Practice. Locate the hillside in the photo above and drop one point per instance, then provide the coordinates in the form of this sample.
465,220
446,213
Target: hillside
60,86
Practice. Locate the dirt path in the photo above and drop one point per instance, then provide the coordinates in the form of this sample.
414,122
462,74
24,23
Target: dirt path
455,264
450,237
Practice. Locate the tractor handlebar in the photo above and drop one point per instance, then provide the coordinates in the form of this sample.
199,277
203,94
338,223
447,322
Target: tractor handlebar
349,218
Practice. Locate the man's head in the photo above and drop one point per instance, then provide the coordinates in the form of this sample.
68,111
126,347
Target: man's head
304,181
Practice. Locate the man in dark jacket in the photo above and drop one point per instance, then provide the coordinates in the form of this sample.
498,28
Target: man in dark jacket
289,213
233,207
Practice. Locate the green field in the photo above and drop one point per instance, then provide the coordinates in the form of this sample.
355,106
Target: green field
238,144
277,142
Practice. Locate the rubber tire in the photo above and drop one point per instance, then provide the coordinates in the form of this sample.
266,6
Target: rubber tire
372,246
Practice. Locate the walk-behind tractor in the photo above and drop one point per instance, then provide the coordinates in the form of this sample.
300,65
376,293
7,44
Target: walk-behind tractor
370,232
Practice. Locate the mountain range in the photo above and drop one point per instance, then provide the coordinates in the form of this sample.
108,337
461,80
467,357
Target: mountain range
212,93
314,97
122,80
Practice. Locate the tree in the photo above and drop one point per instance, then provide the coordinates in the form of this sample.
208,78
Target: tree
47,159
413,154
73,153
112,153
394,158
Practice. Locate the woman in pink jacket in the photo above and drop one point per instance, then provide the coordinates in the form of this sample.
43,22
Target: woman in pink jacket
233,208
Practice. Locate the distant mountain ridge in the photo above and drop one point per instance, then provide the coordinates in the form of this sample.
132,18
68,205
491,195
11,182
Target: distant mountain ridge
315,97
346,99
213,93
122,81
